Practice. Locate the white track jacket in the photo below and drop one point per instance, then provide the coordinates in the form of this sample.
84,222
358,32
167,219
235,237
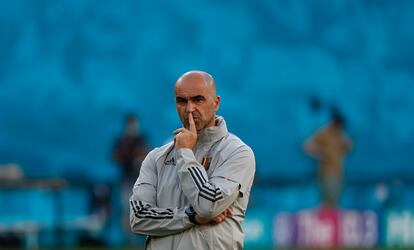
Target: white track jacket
173,179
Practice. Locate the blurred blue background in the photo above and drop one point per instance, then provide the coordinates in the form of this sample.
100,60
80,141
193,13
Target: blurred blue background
70,70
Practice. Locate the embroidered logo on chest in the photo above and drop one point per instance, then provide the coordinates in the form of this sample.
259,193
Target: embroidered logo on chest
206,162
170,162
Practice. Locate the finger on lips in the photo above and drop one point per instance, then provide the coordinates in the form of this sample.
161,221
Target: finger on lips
191,123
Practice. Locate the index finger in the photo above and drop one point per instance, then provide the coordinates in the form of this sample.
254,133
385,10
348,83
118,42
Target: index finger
191,123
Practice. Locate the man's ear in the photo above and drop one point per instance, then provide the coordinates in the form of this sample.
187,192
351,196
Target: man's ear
216,103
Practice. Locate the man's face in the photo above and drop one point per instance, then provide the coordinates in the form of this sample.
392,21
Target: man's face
193,94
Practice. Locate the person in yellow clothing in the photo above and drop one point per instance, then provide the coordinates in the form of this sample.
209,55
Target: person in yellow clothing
330,145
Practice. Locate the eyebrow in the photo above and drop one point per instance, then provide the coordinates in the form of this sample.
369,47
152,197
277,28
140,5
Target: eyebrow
181,98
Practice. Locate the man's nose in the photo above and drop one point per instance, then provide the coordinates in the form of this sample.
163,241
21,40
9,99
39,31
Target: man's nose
190,107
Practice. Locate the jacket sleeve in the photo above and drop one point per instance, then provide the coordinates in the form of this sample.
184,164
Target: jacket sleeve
211,196
145,217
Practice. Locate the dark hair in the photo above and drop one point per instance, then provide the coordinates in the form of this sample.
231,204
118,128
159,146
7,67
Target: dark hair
129,117
337,117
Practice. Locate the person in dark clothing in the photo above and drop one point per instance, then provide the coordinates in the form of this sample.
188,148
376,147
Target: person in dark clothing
129,151
130,148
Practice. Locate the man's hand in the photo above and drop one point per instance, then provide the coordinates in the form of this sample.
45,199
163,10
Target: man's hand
216,220
186,138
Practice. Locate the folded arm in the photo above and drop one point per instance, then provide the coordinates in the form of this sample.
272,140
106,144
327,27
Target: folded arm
145,217
212,196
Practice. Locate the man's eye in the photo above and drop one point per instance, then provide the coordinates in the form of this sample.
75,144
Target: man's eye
200,99
180,101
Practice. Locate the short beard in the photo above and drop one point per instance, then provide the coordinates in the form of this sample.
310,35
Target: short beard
208,122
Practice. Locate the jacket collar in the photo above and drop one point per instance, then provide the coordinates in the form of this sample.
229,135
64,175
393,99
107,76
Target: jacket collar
212,134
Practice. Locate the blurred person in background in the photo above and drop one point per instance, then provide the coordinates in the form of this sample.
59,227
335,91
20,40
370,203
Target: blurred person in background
192,193
329,145
129,151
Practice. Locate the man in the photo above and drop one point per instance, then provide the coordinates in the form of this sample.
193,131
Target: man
330,145
192,193
129,151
